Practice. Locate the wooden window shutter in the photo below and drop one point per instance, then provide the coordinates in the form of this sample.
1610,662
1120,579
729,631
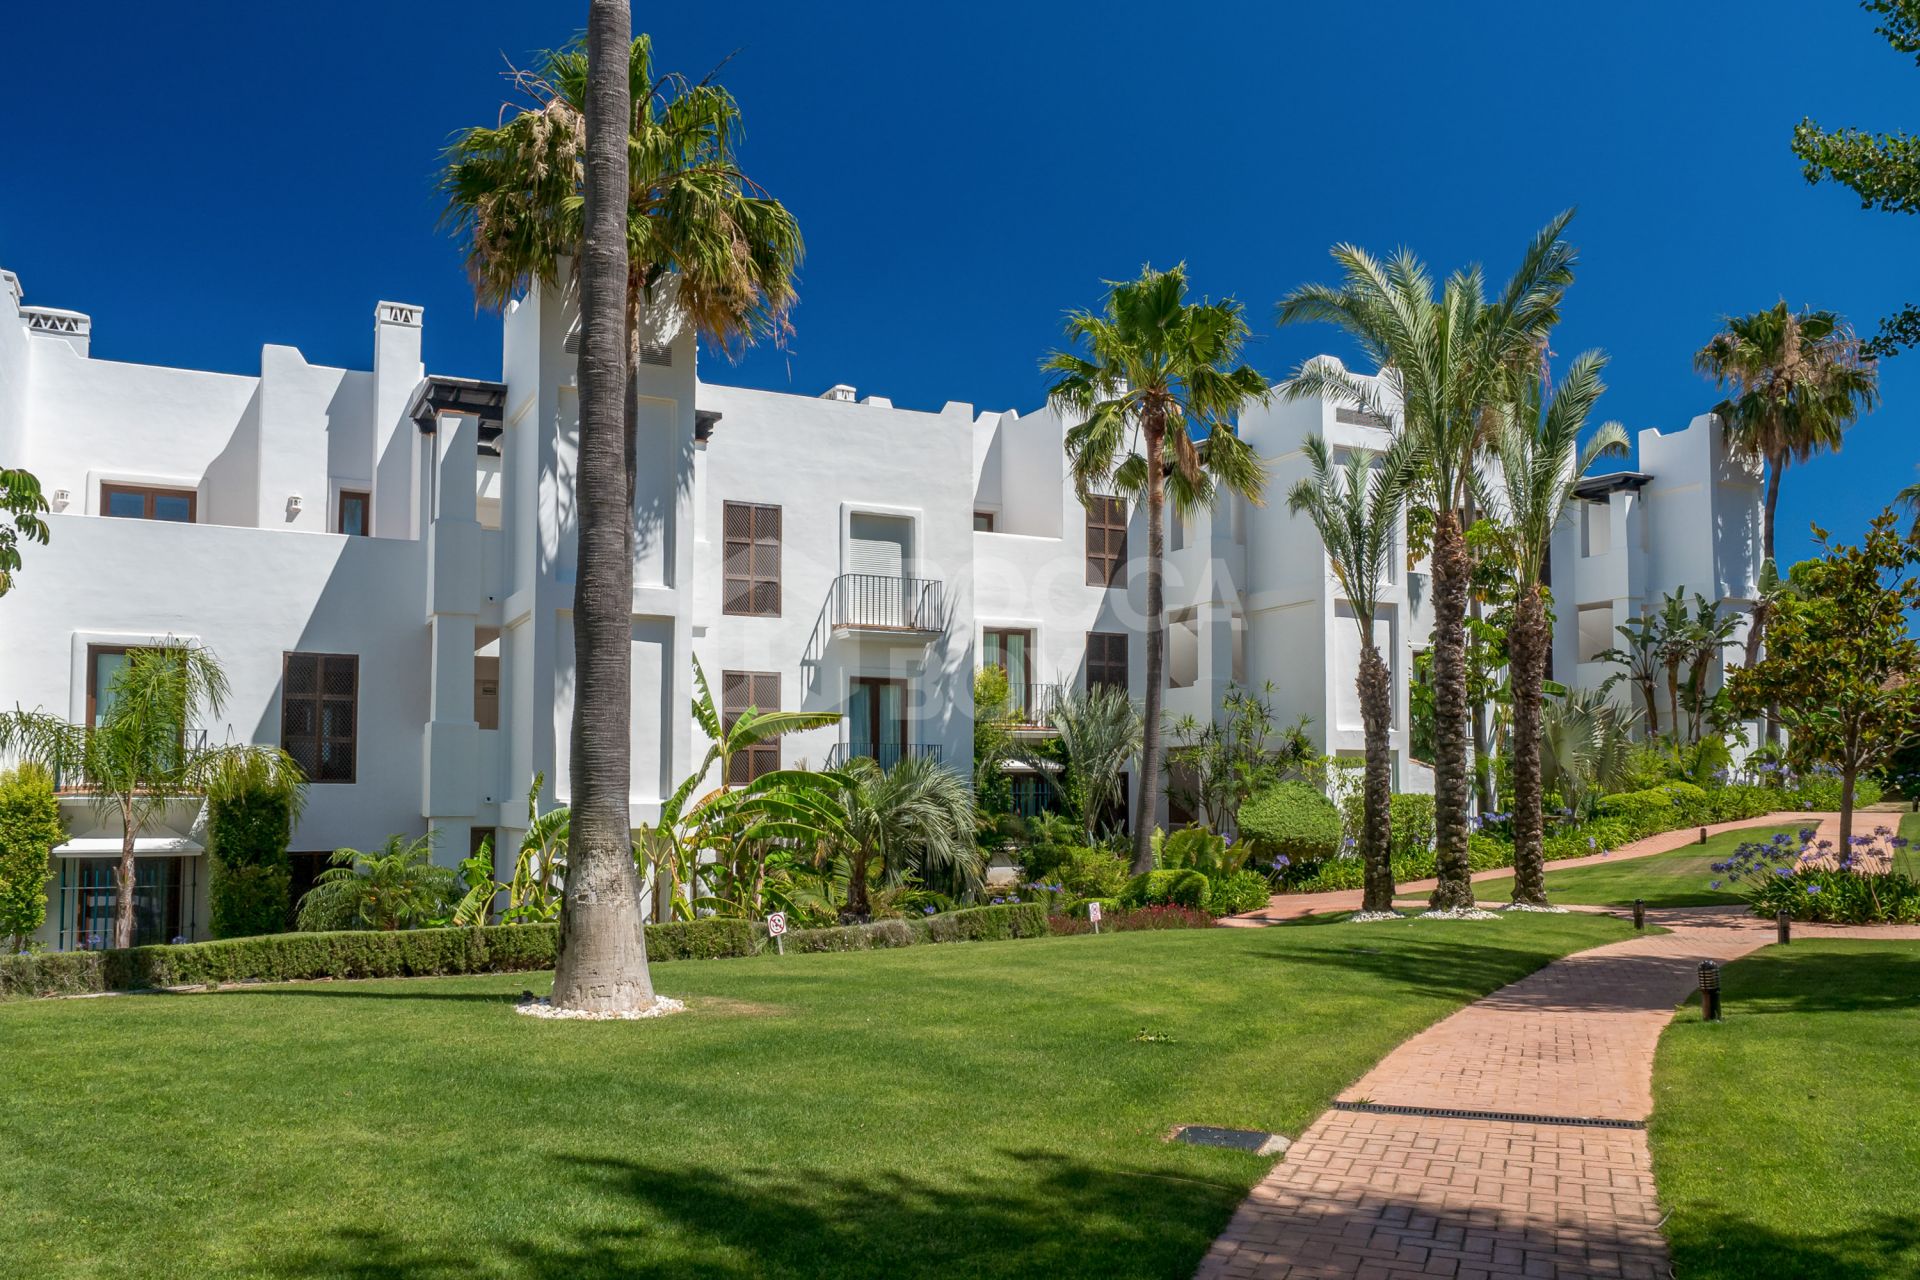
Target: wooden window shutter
1106,539
759,690
751,560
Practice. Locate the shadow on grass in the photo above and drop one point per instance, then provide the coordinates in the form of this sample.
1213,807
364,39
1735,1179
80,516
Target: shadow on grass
343,991
1444,964
1049,1215
1798,980
1720,1245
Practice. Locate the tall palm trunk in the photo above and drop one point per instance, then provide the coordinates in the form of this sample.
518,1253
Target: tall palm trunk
1528,642
1775,465
859,905
1451,780
1376,834
123,877
602,960
1147,794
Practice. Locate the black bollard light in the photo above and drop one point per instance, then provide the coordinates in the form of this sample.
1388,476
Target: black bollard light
1709,991
1703,835
1783,926
1639,913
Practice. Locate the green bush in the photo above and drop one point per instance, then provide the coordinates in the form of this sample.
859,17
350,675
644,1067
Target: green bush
1238,893
1091,873
1642,812
1821,791
1689,801
1838,897
1291,820
30,827
989,924
1164,916
248,830
1181,886
1078,907
1410,820
709,938
876,936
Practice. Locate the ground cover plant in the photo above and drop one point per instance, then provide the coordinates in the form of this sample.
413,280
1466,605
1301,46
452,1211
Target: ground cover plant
988,1110
1783,1136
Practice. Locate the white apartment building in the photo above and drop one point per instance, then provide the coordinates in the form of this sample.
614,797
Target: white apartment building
383,561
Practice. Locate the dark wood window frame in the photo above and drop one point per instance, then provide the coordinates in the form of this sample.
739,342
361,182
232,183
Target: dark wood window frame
983,522
1107,659
306,747
1106,539
759,690
95,652
750,559
148,493
876,738
366,511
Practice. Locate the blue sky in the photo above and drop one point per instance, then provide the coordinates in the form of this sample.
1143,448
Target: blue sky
205,180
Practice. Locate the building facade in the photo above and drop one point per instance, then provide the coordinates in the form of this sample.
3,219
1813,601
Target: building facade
383,561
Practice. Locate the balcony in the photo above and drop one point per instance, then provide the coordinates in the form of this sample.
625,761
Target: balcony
877,602
1030,706
886,754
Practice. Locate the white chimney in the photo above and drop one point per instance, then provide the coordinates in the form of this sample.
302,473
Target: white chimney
840,391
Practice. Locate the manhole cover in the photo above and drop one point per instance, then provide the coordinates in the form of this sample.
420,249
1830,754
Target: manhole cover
1261,1144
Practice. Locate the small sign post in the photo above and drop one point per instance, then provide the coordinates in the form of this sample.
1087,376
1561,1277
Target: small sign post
1093,914
777,927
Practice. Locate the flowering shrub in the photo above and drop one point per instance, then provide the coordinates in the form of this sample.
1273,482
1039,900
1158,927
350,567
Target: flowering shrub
1164,916
1812,880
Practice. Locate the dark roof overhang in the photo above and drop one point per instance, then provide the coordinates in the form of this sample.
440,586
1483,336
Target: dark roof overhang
1596,487
438,394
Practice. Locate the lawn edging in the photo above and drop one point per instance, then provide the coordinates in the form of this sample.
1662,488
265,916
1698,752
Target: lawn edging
501,948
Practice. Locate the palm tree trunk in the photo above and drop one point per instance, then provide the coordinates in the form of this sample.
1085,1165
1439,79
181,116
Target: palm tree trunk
1147,795
1648,692
1528,641
1376,833
1450,733
602,960
123,877
1774,467
859,907
1673,701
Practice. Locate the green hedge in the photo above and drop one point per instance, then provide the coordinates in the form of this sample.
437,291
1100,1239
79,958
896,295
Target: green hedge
247,835
406,953
1409,820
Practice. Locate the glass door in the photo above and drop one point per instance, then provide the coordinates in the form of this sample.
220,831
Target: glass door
1008,651
877,719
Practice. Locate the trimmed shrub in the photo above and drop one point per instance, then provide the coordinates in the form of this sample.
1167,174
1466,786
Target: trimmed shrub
1240,892
1078,907
1181,886
1642,812
501,948
875,936
1164,916
709,938
30,827
1291,820
1689,802
1821,791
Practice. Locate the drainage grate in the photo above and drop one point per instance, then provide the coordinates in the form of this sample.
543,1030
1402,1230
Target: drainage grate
1512,1117
1261,1144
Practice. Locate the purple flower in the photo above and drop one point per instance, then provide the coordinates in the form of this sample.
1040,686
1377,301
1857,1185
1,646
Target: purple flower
1783,871
1812,889
1713,884
926,911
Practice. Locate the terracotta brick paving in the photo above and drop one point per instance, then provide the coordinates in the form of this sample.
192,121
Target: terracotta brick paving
1372,1196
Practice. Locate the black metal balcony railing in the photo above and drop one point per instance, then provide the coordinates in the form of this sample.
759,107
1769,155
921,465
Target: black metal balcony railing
876,602
1031,705
885,754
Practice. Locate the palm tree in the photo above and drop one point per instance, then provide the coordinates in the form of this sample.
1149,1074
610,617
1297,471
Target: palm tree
1100,731
1909,498
143,752
1357,510
1796,382
396,887
914,818
1586,743
1445,361
1712,634
1154,384
1537,444
629,177
1639,663
1675,625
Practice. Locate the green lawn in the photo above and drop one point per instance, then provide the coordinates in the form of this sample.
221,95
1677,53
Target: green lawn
1785,1140
1676,879
987,1109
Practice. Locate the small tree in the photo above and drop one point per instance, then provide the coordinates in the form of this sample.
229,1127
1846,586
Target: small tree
142,754
20,498
1840,663
30,826
397,887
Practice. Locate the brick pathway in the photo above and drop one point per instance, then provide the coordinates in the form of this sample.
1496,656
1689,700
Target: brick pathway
1373,1196
1295,906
